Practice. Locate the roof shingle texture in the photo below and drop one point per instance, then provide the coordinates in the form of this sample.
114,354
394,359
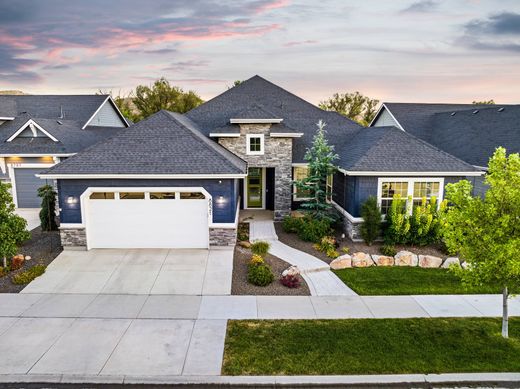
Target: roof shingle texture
164,143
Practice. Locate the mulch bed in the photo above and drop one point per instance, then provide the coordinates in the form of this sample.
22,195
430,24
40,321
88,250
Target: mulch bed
43,247
240,286
295,242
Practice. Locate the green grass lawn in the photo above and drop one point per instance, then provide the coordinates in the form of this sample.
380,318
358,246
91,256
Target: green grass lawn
373,281
370,346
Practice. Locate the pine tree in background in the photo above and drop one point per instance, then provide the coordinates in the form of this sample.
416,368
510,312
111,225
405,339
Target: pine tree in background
320,158
47,214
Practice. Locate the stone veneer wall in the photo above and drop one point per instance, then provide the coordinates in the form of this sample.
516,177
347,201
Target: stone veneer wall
73,237
277,154
222,236
352,229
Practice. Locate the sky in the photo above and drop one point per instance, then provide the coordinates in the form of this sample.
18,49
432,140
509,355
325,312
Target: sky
398,50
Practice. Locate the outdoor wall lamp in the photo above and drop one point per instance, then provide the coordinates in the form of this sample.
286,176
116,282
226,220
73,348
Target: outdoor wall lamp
221,199
72,200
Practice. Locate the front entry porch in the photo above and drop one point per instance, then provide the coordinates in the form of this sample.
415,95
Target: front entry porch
259,189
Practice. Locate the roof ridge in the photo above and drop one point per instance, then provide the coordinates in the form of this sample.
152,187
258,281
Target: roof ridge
483,107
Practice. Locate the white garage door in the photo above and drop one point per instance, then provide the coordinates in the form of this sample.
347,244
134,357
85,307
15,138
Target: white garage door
147,219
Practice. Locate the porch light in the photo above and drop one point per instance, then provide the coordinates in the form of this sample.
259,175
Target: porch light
72,200
221,199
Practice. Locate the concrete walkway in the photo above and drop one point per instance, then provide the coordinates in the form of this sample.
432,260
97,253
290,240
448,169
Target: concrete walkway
317,274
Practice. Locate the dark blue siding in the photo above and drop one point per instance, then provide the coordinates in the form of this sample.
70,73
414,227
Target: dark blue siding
222,212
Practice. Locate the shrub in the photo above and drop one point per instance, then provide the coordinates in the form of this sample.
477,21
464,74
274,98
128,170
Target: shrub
260,248
27,276
3,271
371,214
260,275
398,221
332,253
47,213
313,230
243,232
291,224
290,281
388,250
345,249
425,223
327,243
17,262
256,260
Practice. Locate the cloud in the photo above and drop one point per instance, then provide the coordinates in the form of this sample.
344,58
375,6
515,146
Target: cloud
298,43
498,32
186,65
421,6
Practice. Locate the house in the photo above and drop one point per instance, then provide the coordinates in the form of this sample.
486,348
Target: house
469,132
36,132
180,180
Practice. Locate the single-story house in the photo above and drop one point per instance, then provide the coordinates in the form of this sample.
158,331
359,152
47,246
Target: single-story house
38,131
180,180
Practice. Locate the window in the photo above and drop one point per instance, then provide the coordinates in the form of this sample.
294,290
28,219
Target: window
102,196
329,187
255,144
131,195
162,195
192,196
416,189
299,173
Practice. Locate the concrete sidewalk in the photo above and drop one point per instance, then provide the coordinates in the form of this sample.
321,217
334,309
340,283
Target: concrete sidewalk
317,274
175,307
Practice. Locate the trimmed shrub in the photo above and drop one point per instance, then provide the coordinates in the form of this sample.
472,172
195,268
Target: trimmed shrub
398,221
290,281
371,214
388,250
291,224
260,248
425,223
27,276
313,230
260,275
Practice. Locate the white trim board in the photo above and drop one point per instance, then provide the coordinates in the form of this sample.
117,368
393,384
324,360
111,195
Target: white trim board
140,176
114,105
286,135
383,106
30,123
6,118
411,174
224,135
35,155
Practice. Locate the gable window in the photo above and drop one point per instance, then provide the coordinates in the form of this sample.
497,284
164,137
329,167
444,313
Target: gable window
255,144
413,188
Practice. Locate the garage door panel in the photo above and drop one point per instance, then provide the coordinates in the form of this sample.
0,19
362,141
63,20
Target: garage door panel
147,223
27,185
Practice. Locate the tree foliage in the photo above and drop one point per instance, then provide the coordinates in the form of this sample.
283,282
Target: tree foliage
355,106
371,214
320,158
235,83
13,228
486,231
47,214
484,102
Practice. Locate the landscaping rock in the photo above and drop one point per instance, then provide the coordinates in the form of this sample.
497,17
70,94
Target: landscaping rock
28,258
17,262
342,262
406,258
429,261
383,260
361,259
297,214
451,261
245,244
291,271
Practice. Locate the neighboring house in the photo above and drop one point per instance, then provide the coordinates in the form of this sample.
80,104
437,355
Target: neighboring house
469,132
179,180
36,132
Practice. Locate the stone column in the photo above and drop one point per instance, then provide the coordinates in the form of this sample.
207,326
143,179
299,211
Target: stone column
282,191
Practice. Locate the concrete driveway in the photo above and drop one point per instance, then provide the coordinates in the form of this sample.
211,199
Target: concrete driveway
138,272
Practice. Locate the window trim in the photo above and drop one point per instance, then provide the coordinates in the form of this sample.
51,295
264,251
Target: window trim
295,189
410,181
248,144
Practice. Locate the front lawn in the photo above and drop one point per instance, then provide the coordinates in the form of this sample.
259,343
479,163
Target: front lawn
374,281
370,346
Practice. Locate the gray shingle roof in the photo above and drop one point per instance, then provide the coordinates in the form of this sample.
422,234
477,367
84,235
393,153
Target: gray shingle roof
254,111
74,107
164,143
71,138
470,137
296,113
389,149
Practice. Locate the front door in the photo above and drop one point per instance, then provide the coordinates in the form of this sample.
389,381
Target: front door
255,189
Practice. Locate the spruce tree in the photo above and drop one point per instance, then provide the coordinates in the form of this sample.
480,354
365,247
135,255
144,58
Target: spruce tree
47,214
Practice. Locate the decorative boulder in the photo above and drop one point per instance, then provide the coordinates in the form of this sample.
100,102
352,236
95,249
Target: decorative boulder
28,258
406,258
291,271
17,262
343,262
429,261
451,261
361,259
245,244
297,214
383,260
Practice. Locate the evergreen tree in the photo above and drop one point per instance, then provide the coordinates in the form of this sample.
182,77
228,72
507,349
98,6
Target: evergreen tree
371,214
320,158
47,214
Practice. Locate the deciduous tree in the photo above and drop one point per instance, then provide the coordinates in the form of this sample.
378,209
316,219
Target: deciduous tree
355,106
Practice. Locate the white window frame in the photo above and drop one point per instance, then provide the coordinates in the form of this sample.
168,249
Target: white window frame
295,190
411,182
248,143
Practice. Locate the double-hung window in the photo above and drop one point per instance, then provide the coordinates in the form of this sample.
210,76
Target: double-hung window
414,188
